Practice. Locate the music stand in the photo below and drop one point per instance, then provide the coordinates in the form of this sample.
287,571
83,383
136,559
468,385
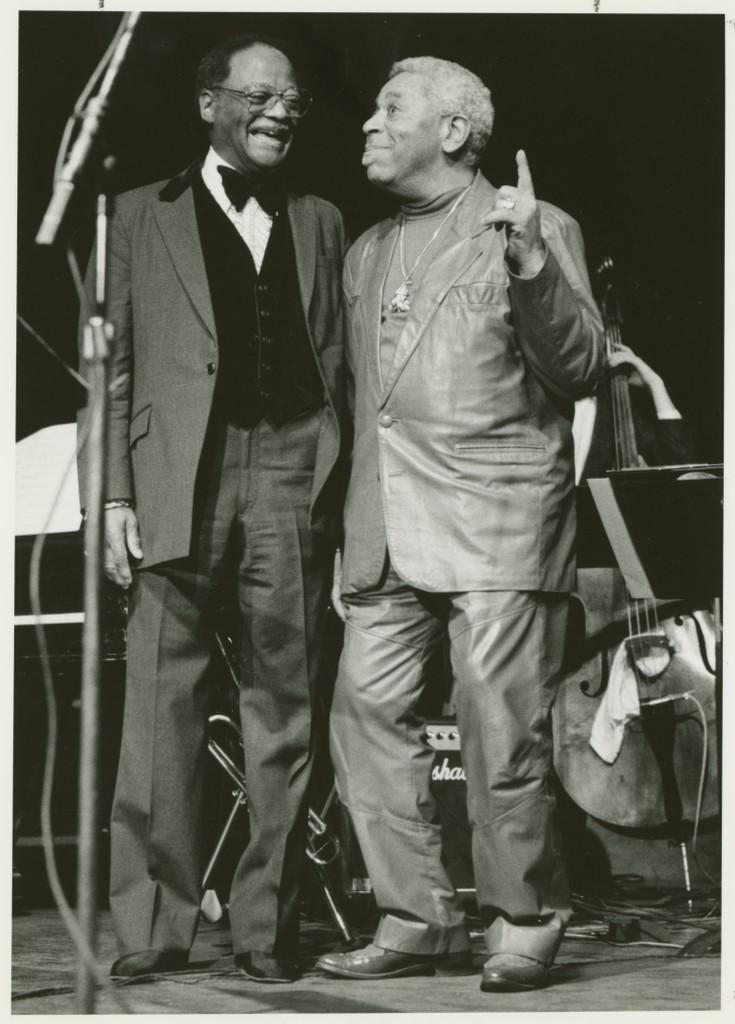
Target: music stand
649,513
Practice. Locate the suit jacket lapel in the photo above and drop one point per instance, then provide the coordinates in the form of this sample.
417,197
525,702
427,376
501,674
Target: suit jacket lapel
177,222
376,259
302,218
369,280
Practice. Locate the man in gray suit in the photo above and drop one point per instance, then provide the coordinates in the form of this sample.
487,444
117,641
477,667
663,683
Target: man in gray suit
472,330
224,443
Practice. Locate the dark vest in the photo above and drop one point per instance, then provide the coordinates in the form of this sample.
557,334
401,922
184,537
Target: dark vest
266,365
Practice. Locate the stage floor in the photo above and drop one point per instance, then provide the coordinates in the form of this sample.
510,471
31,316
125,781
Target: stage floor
592,974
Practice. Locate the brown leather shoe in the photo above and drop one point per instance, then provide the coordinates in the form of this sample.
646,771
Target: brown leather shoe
274,970
507,972
374,963
149,961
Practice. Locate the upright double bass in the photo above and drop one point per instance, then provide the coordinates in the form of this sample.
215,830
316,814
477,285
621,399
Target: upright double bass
665,770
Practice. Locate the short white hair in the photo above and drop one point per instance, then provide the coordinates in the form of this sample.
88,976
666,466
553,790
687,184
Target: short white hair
456,91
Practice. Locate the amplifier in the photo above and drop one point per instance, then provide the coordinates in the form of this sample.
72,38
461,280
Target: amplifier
450,792
449,787
443,734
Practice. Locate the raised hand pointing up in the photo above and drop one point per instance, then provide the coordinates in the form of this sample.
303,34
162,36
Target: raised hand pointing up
516,210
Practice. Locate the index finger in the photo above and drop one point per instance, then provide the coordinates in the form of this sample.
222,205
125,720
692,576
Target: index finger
525,181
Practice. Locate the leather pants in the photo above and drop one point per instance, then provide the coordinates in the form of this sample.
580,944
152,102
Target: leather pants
506,649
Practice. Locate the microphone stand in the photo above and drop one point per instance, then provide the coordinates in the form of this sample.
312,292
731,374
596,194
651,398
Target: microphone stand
96,339
95,354
91,119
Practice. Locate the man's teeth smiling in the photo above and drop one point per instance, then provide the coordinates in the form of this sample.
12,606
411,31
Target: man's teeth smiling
273,133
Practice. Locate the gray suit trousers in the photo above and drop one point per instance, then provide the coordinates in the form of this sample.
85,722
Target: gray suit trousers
506,650
254,542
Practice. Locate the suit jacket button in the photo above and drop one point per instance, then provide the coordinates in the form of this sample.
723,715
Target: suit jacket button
385,419
211,367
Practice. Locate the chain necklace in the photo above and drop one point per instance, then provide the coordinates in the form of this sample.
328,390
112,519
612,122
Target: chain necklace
401,301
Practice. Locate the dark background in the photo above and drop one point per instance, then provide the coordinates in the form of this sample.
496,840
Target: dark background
621,117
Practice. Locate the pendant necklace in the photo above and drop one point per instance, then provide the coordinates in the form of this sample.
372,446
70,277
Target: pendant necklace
401,301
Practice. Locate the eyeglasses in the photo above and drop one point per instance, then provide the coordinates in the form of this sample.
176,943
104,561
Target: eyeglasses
296,101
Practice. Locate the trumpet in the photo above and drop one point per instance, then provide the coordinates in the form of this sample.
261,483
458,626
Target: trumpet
322,845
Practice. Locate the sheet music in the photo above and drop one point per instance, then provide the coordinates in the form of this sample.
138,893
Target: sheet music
41,459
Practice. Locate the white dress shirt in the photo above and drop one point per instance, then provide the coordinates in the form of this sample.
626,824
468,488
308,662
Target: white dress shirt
252,222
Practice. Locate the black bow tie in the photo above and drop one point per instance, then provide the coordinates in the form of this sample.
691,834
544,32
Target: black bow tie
239,190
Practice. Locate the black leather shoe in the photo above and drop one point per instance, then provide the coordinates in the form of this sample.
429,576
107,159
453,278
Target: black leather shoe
149,961
275,970
507,972
374,963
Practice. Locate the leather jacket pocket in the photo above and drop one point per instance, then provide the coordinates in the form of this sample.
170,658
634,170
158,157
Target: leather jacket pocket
494,451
